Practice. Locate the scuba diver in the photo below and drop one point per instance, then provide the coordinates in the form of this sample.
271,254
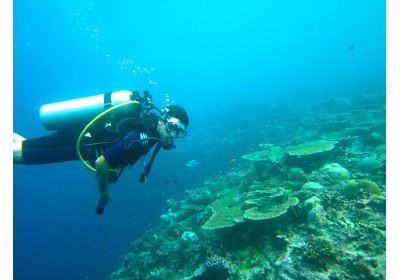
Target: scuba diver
107,132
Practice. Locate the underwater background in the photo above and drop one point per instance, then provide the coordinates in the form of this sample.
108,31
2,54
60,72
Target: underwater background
253,76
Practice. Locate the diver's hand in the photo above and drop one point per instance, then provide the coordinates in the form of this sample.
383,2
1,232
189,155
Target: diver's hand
102,201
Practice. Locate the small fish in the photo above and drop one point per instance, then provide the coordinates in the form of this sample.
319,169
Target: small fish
192,163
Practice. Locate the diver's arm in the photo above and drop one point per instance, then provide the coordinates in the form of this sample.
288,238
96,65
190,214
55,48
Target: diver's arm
102,173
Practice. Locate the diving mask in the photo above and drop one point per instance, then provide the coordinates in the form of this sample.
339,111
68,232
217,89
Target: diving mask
175,127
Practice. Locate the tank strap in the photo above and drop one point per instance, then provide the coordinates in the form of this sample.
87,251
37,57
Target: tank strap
107,100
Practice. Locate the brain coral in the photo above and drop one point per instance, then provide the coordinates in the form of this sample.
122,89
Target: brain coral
312,186
369,164
335,172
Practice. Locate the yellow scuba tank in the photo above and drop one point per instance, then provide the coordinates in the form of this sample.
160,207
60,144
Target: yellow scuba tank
82,110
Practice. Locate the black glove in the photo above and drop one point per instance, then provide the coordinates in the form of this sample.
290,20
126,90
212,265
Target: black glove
142,178
103,199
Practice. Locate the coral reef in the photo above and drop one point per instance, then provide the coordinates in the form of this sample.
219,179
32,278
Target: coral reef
319,214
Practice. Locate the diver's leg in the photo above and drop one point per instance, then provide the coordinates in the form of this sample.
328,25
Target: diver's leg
57,147
17,152
17,147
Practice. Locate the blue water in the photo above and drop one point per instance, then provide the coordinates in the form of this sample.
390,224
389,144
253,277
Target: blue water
211,56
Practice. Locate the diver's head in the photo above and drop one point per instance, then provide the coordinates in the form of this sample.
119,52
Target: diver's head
178,112
172,125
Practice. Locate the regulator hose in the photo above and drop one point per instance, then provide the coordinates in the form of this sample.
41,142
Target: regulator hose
78,143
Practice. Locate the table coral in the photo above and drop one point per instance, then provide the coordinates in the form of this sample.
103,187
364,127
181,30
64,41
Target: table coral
231,207
311,147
